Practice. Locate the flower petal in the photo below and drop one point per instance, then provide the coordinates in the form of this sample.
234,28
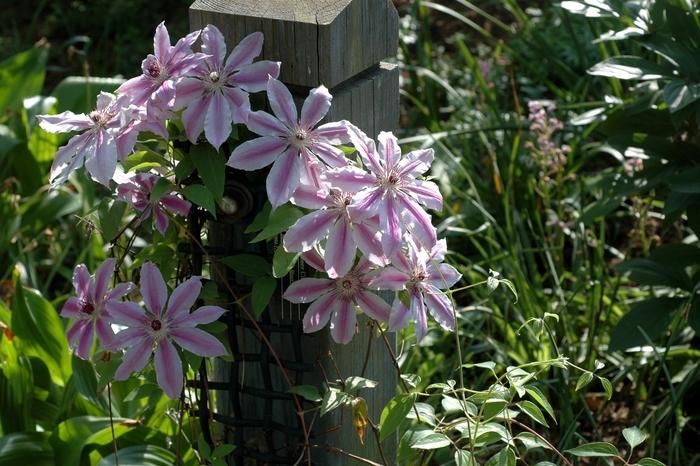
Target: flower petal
64,122
161,220
81,281
135,358
103,161
75,335
331,155
213,44
440,307
203,315
309,230
334,133
239,102
314,259
85,341
315,107
418,222
69,158
125,313
392,228
284,177
168,369
193,118
105,334
416,162
349,179
175,204
161,41
443,276
365,204
389,278
253,78
153,288
306,290
389,149
217,123
373,306
129,337
400,315
264,124
366,148
183,297
102,277
343,322
281,102
188,91
319,313
71,309
198,342
310,197
257,153
246,50
340,250
418,312
426,193
368,240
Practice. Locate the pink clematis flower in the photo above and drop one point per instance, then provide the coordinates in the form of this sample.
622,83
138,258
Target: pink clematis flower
156,86
335,300
137,192
216,93
289,143
423,275
390,189
88,307
155,330
99,145
333,222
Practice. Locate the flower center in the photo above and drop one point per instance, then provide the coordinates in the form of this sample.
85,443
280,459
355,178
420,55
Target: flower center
299,138
153,69
87,308
390,181
348,286
156,324
214,76
340,199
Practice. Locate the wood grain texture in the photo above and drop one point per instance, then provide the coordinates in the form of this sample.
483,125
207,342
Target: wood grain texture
318,42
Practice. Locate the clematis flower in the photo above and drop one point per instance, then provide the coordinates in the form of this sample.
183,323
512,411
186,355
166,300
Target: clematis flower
216,93
334,300
99,145
88,307
137,191
423,275
390,189
156,86
332,221
291,143
155,329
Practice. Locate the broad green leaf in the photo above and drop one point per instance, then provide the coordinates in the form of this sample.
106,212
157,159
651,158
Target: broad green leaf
223,451
162,187
650,272
332,399
602,449
493,407
26,448
537,395
649,462
464,458
203,447
629,67
263,289
394,414
529,408
211,167
85,380
201,196
79,93
531,441
279,221
432,442
260,219
21,76
607,386
583,380
308,392
283,261
140,455
355,383
248,264
16,385
678,94
110,216
426,413
687,181
634,436
70,436
651,315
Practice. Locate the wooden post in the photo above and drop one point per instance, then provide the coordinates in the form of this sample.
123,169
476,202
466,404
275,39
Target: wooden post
341,44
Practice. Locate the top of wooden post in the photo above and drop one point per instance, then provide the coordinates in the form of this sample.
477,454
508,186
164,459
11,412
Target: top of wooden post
318,41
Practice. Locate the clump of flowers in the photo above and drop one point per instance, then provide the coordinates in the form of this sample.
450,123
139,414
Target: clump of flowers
551,156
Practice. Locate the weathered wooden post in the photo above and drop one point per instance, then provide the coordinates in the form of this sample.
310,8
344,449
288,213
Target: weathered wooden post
341,44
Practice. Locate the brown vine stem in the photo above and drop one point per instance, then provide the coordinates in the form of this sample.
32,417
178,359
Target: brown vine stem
534,432
261,334
346,453
375,430
111,424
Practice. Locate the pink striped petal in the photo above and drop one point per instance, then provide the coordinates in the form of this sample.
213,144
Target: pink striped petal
416,162
368,240
400,315
343,322
64,122
75,334
253,78
193,118
333,133
102,277
71,309
365,204
183,297
282,102
125,313
426,193
440,307
203,315
349,179
284,177
309,230
389,149
213,44
188,91
175,204
135,358
340,250
314,259
161,41
129,337
153,288
126,140
444,276
392,228
217,122
81,281
198,342
418,311
264,124
103,161
161,220
373,306
246,50
419,222
319,313
87,335
105,334
310,197
437,253
315,107
366,148
306,290
389,278
168,369
257,153
331,156
69,158
239,102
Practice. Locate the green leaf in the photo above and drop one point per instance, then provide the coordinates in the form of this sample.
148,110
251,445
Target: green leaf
355,383
223,450
649,462
332,399
280,220
533,411
184,168
71,435
650,272
26,448
263,289
308,392
200,196
493,407
602,449
283,261
110,216
432,442
629,67
464,458
678,94
687,181
634,436
583,380
607,386
140,455
21,76
162,187
652,316
211,167
539,397
203,447
78,93
531,441
394,414
260,219
250,265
